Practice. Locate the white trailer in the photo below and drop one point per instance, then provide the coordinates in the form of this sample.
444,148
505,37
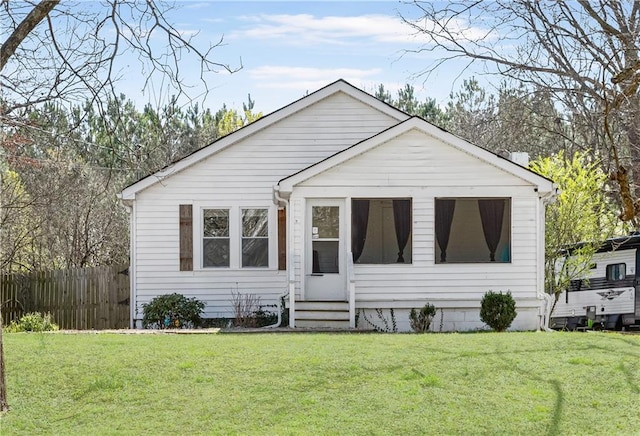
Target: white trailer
608,296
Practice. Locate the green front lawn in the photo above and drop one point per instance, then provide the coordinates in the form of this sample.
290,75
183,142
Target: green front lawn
484,383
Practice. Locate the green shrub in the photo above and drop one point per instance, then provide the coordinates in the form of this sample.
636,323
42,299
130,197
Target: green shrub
265,317
270,315
32,322
498,310
172,311
284,311
216,323
421,320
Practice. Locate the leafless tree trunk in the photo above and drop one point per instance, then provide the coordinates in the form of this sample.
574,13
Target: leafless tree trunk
585,53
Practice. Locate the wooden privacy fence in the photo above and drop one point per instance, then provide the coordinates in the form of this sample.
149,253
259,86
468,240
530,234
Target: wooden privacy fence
82,299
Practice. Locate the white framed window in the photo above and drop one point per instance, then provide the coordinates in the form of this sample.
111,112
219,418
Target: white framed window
255,238
216,238
235,236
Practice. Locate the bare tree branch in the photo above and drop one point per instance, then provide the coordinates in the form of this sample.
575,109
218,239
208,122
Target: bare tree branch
586,53
74,55
27,25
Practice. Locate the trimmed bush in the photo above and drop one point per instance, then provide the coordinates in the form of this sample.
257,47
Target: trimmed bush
498,310
172,311
421,320
32,322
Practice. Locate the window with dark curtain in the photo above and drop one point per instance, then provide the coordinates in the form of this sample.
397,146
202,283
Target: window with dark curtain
616,271
402,221
491,215
444,218
381,230
359,224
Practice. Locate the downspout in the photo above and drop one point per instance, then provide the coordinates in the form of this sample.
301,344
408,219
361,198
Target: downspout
284,202
279,309
547,198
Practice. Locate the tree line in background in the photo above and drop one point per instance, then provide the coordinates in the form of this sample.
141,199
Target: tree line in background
584,54
571,76
61,170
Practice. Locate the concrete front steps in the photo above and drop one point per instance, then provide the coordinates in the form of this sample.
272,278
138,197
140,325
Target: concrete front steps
322,314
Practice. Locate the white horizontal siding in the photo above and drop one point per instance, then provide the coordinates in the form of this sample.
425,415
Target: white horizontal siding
418,166
219,278
422,159
601,260
450,316
215,289
250,168
412,165
298,217
240,175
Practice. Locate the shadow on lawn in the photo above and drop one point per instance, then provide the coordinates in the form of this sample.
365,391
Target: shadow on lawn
627,340
553,427
629,376
555,415
612,349
608,349
497,352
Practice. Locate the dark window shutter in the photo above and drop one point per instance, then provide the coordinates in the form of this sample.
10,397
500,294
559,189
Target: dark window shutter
186,237
282,239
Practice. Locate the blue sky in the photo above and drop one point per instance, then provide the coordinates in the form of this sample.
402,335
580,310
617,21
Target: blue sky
289,48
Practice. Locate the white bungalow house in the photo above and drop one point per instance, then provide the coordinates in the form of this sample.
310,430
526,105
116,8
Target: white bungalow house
349,207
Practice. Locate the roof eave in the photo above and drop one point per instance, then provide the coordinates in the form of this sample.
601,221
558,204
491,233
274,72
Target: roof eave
541,184
261,123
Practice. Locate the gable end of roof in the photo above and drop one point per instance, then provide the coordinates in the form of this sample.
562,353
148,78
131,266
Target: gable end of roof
543,183
220,144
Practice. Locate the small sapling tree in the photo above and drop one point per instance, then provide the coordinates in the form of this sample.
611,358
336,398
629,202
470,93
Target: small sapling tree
581,217
420,320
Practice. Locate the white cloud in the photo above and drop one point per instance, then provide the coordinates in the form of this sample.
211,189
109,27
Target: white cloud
201,5
306,28
269,71
309,79
342,30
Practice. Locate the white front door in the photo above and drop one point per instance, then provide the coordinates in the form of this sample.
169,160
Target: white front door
325,252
